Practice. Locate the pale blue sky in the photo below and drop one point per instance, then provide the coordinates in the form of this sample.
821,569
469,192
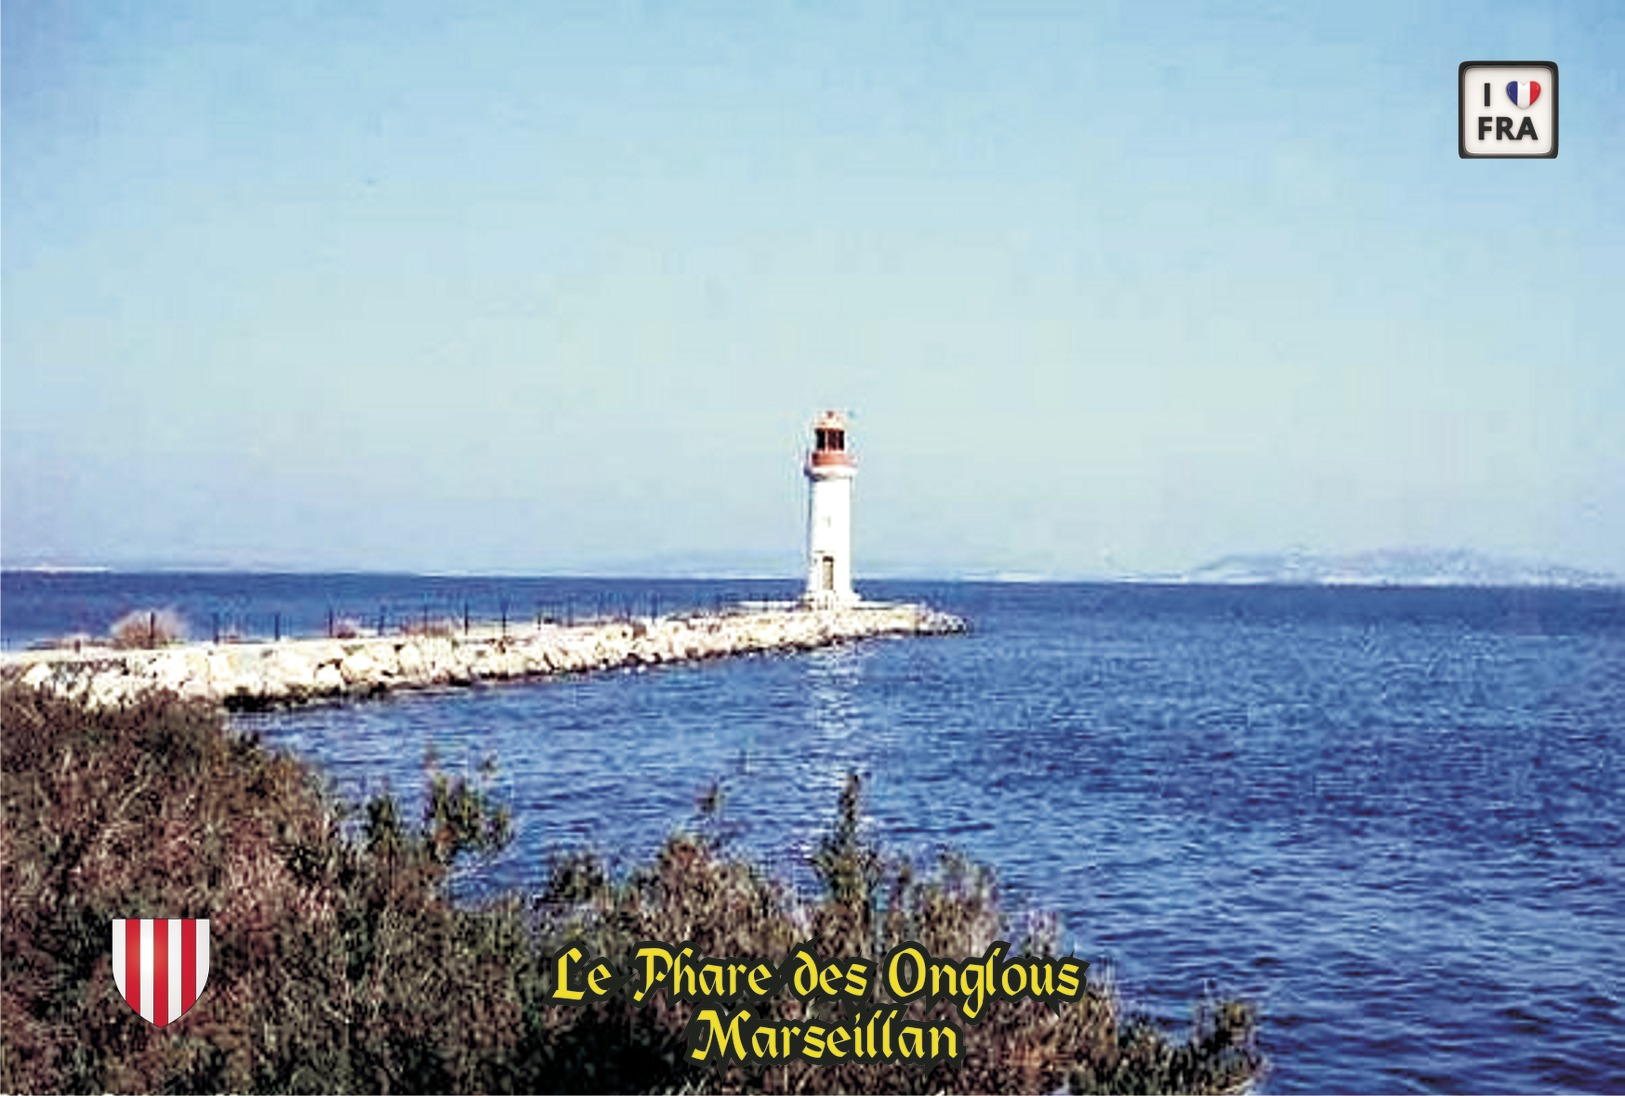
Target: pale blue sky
539,288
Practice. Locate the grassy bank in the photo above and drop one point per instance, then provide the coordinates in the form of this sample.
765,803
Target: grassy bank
339,963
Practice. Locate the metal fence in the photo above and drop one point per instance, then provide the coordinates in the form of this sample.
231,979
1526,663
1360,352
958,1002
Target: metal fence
230,621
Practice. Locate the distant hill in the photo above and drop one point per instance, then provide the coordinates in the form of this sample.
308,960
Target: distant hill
1392,567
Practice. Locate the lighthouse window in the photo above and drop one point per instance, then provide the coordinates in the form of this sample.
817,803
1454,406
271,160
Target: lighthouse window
837,439
823,439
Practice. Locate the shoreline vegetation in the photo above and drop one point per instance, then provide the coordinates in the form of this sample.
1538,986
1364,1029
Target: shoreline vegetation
145,653
341,962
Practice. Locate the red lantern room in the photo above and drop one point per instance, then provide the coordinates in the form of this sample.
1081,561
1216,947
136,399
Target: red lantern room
829,443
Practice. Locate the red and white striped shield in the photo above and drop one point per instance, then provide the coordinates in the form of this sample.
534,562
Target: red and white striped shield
160,964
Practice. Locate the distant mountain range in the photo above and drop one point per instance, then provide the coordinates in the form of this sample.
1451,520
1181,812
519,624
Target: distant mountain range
1391,567
1385,567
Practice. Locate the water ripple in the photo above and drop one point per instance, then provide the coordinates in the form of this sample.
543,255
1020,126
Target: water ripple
1391,817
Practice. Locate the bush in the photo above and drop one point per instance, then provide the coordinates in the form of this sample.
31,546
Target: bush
339,963
148,628
872,902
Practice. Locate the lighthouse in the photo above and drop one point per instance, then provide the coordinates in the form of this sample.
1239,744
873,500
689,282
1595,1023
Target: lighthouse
829,469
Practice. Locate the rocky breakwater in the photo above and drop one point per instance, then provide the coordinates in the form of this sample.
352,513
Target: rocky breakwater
301,670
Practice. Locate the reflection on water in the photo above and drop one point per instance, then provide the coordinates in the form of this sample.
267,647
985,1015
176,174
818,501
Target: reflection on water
833,677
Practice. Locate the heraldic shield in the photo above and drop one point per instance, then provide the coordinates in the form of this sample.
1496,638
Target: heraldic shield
160,965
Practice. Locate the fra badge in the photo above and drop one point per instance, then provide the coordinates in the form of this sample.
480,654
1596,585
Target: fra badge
1508,109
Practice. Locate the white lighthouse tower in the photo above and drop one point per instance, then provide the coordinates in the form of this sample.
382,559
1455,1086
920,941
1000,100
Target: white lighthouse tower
829,470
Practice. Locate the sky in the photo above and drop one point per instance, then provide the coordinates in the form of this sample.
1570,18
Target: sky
1107,289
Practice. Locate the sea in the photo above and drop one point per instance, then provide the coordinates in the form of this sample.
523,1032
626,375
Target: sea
1393,818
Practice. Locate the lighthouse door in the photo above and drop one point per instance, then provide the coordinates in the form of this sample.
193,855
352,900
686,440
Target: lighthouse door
826,572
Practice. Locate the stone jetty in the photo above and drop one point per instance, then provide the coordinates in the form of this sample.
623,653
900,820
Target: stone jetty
295,671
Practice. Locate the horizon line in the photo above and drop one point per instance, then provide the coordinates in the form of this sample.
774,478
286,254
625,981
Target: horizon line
1593,581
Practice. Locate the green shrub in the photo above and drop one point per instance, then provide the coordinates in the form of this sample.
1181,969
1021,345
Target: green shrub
339,963
148,628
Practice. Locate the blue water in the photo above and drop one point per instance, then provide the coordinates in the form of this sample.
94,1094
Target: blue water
36,606
1392,817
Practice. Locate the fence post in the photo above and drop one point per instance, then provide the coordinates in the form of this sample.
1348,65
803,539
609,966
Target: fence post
276,619
504,618
152,629
465,620
216,616
329,622
380,620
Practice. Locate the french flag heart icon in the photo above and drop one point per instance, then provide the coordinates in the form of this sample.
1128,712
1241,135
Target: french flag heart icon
1523,93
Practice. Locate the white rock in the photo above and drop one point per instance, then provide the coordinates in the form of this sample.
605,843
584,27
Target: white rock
292,670
247,682
320,653
169,671
108,689
357,666
329,680
197,688
410,659
221,675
